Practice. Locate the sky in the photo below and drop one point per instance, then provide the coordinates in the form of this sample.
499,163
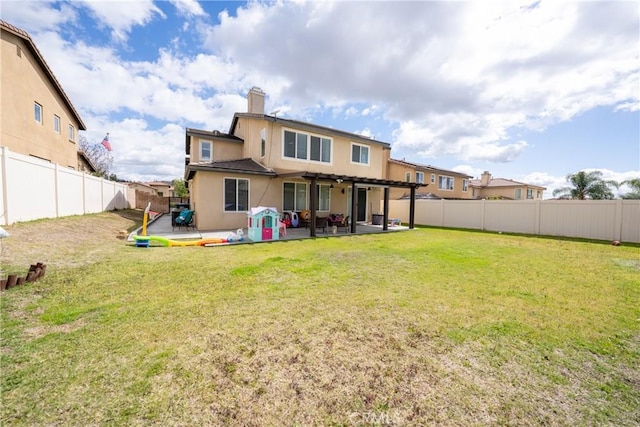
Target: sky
527,90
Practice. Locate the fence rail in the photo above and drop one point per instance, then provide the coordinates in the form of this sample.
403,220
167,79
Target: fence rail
589,219
32,188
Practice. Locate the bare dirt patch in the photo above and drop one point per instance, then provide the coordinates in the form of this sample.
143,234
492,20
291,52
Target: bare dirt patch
69,241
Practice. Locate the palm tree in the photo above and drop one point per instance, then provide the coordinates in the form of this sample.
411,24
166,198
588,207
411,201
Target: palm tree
587,185
634,183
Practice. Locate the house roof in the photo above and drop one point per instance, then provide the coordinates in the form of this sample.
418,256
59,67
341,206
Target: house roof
88,160
350,179
502,182
310,127
420,167
5,26
208,134
246,165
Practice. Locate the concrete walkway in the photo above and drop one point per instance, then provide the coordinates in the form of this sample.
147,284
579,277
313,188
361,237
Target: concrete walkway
161,226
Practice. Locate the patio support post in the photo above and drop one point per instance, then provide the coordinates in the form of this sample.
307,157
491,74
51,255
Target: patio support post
385,210
412,207
354,206
312,204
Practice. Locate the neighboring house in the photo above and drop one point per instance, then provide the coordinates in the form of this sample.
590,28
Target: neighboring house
142,188
488,187
439,183
85,164
163,189
291,165
37,116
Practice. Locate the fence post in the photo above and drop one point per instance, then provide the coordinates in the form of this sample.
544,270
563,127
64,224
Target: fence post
4,208
56,193
536,226
482,214
618,227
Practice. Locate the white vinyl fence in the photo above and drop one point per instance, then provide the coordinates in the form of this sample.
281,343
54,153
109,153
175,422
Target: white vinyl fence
589,219
31,188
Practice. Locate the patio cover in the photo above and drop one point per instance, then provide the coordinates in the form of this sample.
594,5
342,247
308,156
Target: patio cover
355,182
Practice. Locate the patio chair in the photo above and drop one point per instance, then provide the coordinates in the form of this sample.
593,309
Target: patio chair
185,219
321,223
343,224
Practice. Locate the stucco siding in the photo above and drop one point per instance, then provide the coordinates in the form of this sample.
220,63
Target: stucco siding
23,83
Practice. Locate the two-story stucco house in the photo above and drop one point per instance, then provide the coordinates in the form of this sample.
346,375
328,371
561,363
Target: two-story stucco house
438,183
37,116
488,187
265,160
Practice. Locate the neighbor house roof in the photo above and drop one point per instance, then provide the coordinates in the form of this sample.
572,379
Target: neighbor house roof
310,127
246,165
208,134
87,160
430,168
502,182
38,56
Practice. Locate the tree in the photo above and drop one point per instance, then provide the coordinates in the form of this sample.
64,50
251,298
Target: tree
587,185
180,188
634,183
100,157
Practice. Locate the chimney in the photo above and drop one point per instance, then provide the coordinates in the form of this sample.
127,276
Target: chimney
255,98
485,179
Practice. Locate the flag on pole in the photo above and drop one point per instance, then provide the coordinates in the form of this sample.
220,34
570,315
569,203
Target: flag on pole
105,143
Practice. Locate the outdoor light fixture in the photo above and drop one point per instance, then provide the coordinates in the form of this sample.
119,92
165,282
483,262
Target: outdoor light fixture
339,181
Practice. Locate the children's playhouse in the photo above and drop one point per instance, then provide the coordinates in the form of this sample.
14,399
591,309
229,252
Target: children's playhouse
262,223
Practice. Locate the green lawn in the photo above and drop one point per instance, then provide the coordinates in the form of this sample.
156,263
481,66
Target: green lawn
408,328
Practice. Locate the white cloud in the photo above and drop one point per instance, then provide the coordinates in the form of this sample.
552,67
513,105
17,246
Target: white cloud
458,78
122,15
188,7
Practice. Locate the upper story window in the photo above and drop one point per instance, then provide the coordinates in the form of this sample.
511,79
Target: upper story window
407,176
56,124
236,195
420,177
433,178
518,194
37,112
465,185
206,150
529,193
359,153
307,147
263,142
538,194
72,133
445,183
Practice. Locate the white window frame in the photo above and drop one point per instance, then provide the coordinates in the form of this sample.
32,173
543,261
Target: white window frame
204,142
38,112
56,123
530,193
518,194
359,161
446,180
263,142
237,204
301,139
72,133
296,187
407,176
419,177
465,185
433,178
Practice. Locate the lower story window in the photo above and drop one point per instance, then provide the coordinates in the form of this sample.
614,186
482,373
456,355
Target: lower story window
323,197
236,195
294,196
